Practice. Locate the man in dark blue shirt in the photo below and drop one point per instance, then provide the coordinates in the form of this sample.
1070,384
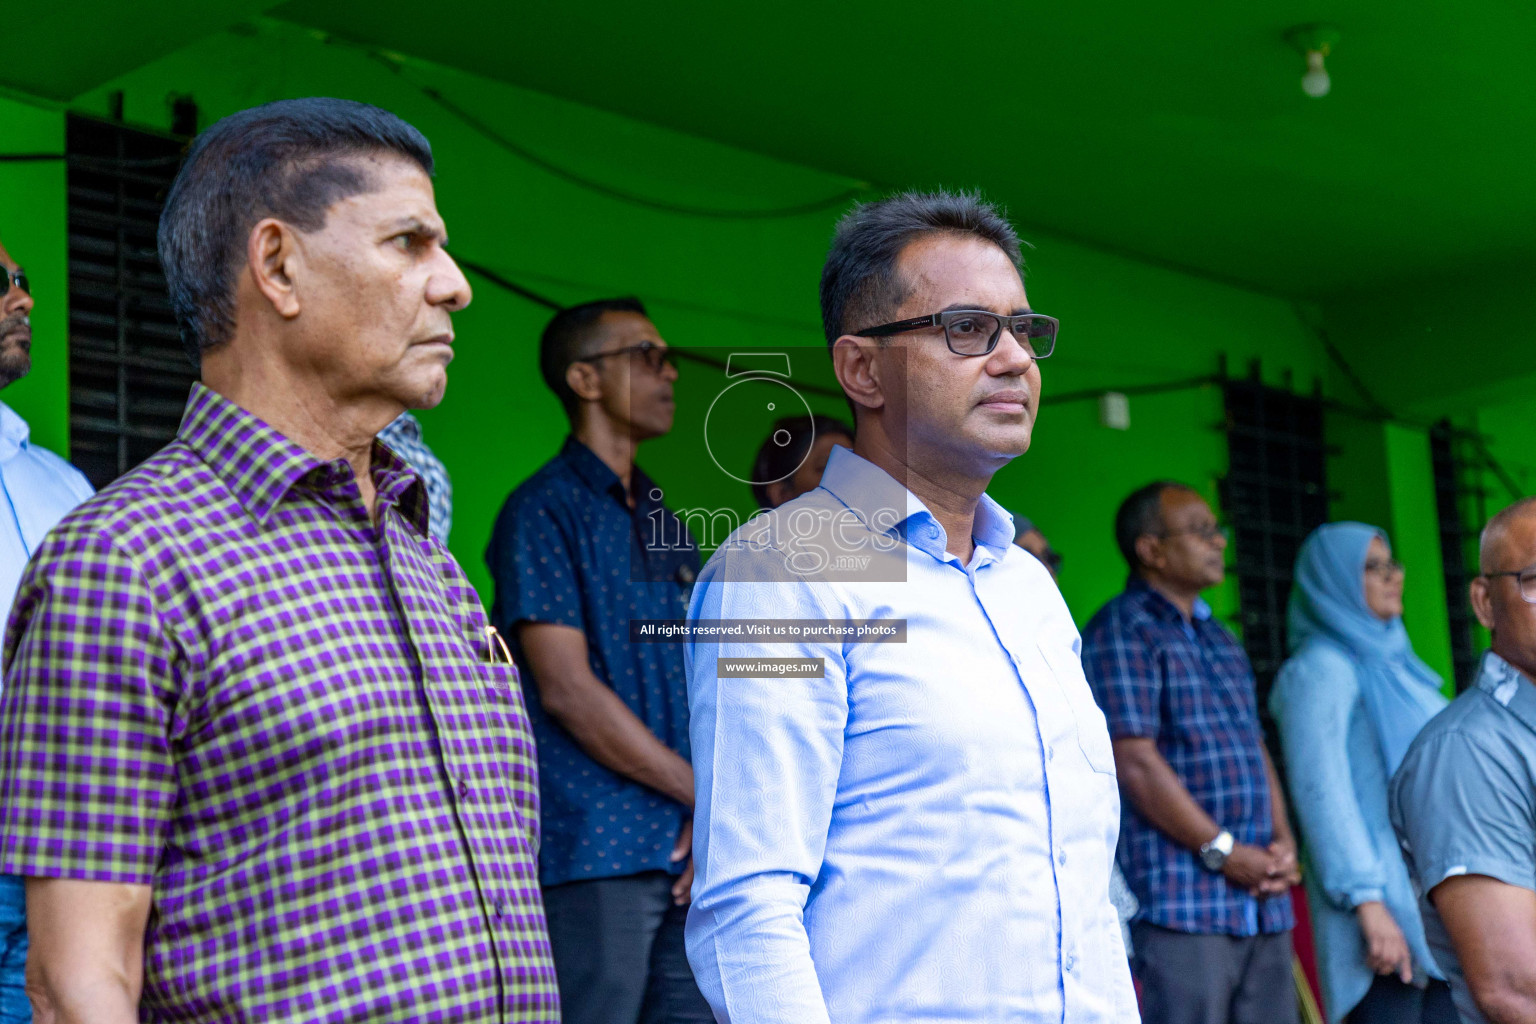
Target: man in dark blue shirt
1205,843
581,548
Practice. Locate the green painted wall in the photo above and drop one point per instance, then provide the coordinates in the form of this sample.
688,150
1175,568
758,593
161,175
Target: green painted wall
1416,543
32,230
1510,428
718,283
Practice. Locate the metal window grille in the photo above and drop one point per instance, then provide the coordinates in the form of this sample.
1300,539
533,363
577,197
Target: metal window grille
128,374
1274,494
1458,495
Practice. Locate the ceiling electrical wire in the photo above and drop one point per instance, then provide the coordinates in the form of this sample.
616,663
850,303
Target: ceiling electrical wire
527,155
690,355
511,286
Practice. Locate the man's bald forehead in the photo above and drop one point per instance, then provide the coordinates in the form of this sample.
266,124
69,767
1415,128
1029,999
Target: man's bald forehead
1499,540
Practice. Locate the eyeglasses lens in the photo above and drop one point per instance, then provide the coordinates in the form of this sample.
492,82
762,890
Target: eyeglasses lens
970,334
1041,340
976,334
19,279
656,357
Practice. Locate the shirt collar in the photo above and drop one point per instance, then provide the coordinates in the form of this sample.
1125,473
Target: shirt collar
596,474
1158,605
260,466
887,506
405,425
14,433
1509,687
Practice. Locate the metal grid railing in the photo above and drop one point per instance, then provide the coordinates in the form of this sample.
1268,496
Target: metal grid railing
128,375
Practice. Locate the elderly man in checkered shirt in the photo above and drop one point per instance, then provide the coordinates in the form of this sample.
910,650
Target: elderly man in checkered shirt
261,761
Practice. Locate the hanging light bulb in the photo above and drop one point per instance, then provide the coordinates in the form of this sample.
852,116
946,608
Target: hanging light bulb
1315,42
1315,82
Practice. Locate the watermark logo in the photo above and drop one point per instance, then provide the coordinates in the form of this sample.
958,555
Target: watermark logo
752,401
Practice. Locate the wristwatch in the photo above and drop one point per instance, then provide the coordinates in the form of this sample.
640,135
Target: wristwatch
1214,854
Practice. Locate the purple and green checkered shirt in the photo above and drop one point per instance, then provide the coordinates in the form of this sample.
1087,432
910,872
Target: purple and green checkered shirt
225,681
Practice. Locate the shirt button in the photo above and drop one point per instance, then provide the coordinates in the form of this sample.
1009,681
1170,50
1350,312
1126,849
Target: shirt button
501,908
1071,961
1050,753
1061,857
463,789
933,531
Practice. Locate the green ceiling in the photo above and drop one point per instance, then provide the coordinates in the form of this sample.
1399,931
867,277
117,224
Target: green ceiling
60,50
1178,134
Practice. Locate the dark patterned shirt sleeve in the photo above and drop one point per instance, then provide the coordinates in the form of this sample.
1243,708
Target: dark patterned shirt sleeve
88,710
1123,673
533,563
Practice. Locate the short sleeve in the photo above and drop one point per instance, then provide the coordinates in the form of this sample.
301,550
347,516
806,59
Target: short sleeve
87,782
532,559
1123,675
1462,808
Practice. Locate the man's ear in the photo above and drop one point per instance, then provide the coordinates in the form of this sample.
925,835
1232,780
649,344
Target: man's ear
853,360
1482,601
582,378
273,259
1149,551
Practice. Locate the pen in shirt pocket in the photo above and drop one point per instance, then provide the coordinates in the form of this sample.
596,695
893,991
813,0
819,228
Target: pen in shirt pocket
496,650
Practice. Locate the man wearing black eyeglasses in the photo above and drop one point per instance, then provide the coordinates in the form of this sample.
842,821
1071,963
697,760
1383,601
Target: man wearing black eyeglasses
1206,846
582,547
38,487
1463,801
918,830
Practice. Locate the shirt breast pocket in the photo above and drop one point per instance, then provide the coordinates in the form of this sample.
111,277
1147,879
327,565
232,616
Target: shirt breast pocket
1092,729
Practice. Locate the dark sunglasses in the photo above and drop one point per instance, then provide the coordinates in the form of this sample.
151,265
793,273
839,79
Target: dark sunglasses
15,279
654,355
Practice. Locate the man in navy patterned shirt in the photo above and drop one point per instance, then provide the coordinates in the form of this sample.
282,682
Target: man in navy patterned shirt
1205,842
581,548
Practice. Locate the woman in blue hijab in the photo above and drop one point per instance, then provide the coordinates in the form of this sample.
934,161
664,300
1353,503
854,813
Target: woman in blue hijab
1348,701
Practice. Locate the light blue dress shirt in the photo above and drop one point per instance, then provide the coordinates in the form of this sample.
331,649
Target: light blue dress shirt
926,832
36,489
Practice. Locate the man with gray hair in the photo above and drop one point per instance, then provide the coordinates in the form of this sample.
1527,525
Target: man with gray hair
262,757
1464,799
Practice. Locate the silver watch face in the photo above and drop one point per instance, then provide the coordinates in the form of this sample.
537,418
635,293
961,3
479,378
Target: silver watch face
1213,857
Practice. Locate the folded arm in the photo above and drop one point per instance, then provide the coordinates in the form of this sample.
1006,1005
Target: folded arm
600,722
1154,789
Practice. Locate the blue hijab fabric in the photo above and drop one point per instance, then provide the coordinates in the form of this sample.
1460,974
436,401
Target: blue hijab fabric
1400,692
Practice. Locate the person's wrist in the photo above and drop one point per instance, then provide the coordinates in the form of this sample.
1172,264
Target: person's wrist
1215,851
1360,897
